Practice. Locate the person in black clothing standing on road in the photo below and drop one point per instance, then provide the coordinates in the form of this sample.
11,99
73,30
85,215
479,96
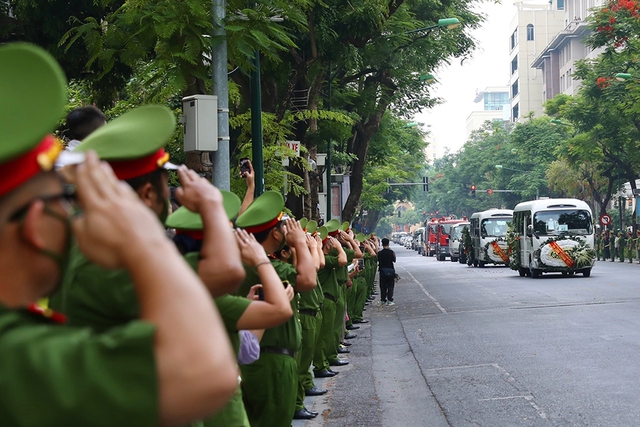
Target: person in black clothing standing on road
386,259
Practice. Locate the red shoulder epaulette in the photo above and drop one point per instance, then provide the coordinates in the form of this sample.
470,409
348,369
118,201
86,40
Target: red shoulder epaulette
47,313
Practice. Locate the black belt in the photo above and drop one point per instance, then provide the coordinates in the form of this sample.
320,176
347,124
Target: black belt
331,297
278,350
308,311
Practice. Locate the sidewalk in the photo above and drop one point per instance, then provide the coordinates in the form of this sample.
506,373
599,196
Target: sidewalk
383,384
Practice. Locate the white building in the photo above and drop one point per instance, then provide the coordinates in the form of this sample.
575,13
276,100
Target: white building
493,105
557,60
531,30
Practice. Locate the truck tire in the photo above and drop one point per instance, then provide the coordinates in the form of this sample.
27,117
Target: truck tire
522,272
535,273
481,264
586,272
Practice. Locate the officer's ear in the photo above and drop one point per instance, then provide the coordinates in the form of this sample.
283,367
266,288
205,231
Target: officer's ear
31,225
147,194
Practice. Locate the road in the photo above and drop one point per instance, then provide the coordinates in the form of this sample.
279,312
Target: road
483,347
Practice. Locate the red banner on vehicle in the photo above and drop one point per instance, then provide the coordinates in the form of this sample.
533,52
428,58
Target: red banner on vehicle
562,254
497,249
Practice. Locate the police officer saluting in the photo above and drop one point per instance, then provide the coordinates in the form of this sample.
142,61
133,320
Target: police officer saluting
154,371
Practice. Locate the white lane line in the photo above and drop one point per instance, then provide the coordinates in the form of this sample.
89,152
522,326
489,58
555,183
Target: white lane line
435,301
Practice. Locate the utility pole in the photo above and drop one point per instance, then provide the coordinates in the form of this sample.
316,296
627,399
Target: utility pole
221,177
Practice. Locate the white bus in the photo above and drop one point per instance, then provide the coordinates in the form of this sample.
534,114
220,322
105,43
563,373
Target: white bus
553,235
489,237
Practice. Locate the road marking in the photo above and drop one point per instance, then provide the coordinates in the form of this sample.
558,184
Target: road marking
435,301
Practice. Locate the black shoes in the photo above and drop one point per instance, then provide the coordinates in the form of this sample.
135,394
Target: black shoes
338,362
314,391
346,344
325,374
343,350
361,321
350,336
304,414
352,327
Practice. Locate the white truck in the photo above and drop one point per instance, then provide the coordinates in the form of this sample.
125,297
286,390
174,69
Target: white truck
456,248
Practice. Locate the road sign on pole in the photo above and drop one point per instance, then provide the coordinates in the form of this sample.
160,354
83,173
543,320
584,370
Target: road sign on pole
605,219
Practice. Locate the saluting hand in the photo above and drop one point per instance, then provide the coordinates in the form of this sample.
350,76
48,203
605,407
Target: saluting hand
293,233
196,191
116,227
251,251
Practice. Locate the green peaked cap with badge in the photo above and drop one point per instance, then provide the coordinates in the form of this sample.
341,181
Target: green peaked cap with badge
33,95
133,143
312,226
265,212
303,223
184,219
323,232
333,226
360,237
345,226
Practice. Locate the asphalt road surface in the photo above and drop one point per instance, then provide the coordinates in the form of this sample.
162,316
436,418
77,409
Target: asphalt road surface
467,346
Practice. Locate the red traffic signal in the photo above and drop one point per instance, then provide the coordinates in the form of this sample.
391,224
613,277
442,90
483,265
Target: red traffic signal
473,191
489,191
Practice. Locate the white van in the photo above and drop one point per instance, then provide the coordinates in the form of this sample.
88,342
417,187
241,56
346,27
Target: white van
456,249
553,235
489,237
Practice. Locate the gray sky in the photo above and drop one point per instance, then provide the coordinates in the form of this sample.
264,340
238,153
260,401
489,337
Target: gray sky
457,84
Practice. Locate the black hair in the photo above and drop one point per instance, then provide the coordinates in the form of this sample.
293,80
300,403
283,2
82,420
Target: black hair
155,178
187,244
385,242
262,236
279,253
84,120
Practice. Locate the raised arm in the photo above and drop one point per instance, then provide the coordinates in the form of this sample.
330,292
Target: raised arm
304,264
196,367
220,266
276,308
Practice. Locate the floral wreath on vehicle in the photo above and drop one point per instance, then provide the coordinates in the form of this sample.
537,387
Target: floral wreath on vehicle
565,251
513,240
466,241
498,250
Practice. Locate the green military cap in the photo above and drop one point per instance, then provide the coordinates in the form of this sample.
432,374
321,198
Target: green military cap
369,236
303,223
345,226
312,226
333,226
133,143
265,212
323,232
33,97
360,237
184,219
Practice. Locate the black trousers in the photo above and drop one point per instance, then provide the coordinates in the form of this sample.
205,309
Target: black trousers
386,288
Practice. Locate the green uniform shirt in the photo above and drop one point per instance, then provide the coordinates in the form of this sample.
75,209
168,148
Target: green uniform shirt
327,275
54,375
342,273
288,335
94,296
310,300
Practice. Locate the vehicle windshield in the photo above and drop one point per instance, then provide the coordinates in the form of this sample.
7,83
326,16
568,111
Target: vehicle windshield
494,227
456,232
555,223
446,228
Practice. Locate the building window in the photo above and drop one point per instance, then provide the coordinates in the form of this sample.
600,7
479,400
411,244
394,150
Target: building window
560,4
514,39
514,65
530,32
515,112
514,89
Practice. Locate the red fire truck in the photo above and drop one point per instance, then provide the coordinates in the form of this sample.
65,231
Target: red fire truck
438,231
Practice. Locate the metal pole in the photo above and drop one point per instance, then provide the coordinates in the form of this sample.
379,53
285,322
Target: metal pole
221,176
328,159
256,125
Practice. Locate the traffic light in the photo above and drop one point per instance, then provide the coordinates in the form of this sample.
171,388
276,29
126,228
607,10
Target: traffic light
473,191
489,191
425,183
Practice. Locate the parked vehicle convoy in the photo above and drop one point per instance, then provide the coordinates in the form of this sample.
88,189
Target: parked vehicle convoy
553,235
488,231
456,248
